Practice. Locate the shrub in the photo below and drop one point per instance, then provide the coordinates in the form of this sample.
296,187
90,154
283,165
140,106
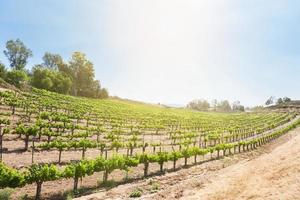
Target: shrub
16,77
137,192
6,193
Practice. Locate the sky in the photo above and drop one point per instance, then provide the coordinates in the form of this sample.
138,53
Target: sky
168,51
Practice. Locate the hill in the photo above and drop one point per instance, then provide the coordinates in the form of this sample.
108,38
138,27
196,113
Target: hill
291,106
117,140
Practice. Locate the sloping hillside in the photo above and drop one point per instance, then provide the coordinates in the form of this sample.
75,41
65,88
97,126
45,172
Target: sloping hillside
270,172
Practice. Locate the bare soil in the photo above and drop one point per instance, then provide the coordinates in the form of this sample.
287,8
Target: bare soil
168,186
270,172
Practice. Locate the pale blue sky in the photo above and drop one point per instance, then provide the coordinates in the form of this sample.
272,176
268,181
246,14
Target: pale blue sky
169,51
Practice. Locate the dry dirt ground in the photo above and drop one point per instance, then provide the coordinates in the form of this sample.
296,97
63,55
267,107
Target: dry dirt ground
270,172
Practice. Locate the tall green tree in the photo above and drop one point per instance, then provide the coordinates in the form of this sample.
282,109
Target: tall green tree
17,54
52,61
82,73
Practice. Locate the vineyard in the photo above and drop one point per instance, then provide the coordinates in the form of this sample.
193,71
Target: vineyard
49,137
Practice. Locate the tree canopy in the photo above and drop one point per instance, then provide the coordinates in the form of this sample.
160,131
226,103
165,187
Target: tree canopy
199,104
75,77
52,61
17,54
219,106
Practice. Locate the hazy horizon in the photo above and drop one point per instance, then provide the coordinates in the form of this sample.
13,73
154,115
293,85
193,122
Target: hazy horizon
168,51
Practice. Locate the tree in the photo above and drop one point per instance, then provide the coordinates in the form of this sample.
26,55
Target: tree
61,83
286,99
283,100
236,106
52,61
2,71
214,104
270,100
82,73
279,101
224,106
42,78
103,94
48,79
200,104
16,77
17,54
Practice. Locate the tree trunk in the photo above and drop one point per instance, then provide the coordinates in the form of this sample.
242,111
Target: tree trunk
131,151
38,191
161,165
146,166
59,156
1,149
26,142
40,134
83,153
75,183
105,176
174,164
32,155
49,139
185,162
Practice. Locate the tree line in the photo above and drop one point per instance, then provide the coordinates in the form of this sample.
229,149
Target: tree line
215,105
75,77
272,100
225,106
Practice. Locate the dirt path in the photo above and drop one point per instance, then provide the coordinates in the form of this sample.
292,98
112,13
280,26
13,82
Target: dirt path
271,172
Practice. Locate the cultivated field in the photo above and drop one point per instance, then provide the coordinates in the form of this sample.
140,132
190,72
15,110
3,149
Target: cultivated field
55,144
269,172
